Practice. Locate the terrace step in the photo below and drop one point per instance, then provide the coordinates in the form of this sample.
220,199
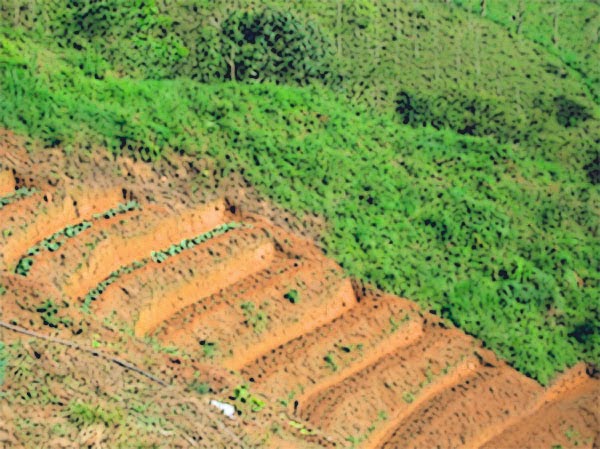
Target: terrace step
50,266
178,329
59,266
30,220
377,326
564,416
157,291
460,416
258,321
133,240
360,406
7,182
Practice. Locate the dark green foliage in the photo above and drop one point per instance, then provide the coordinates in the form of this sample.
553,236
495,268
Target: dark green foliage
570,113
133,37
270,45
292,296
593,170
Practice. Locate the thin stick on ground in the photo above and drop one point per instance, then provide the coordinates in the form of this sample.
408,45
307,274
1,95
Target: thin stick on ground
123,363
118,361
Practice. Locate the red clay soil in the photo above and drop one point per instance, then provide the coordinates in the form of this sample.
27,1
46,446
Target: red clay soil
324,361
7,182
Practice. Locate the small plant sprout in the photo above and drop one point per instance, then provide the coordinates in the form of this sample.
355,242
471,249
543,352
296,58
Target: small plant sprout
292,296
408,397
330,361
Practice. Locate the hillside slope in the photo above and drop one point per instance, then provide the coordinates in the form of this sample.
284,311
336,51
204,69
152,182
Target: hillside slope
454,161
147,303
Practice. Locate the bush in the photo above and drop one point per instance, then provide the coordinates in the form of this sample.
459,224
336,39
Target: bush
569,112
270,45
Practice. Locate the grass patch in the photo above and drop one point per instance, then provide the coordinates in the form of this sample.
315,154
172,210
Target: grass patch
84,414
255,318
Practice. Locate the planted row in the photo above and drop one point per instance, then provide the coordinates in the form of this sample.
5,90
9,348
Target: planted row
102,286
161,256
120,209
16,195
158,257
58,239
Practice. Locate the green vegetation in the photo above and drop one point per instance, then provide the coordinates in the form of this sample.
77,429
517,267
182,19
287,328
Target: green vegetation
454,158
300,427
23,192
257,319
408,397
292,296
564,28
49,312
330,361
161,256
85,414
200,387
93,294
209,348
118,210
58,239
155,256
246,399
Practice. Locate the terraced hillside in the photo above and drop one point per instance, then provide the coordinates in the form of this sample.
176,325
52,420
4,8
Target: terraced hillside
129,304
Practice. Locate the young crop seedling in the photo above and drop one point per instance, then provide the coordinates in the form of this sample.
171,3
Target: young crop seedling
52,244
120,209
301,428
209,348
330,361
243,395
161,256
23,192
257,319
292,296
200,387
48,311
408,397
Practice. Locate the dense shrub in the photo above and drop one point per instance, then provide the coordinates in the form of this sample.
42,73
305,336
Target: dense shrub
270,45
570,113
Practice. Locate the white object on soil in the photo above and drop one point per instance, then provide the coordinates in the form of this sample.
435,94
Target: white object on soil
227,409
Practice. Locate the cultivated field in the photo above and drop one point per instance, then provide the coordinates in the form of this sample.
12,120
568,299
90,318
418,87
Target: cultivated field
144,303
